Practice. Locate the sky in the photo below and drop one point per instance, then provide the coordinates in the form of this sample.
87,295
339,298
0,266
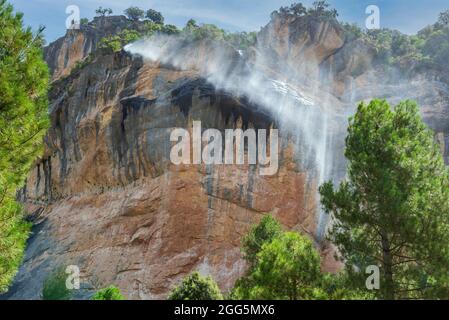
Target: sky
407,16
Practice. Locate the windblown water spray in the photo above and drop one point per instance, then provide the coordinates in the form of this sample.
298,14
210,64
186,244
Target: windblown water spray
300,109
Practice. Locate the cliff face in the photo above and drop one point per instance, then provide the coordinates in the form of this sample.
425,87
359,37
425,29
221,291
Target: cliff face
105,196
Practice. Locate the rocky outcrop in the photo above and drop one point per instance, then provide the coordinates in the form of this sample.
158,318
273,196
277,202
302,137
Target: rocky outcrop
105,196
63,54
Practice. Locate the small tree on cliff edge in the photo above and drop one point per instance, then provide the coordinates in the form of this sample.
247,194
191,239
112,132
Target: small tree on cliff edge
134,13
393,211
102,12
155,16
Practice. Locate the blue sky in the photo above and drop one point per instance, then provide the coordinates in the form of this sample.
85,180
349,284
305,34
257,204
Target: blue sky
408,16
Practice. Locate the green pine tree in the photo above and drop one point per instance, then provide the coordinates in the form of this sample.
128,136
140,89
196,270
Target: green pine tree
196,287
281,265
288,268
393,210
266,231
23,121
109,293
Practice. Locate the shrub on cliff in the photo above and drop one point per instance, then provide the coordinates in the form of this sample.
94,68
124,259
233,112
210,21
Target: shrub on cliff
109,293
206,31
170,29
23,122
55,286
393,210
241,40
115,43
196,287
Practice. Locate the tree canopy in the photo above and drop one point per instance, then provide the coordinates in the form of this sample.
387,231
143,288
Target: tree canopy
23,122
134,13
287,268
155,16
320,9
393,209
262,233
196,287
443,18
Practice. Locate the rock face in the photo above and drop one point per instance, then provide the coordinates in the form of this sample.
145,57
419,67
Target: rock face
64,53
105,196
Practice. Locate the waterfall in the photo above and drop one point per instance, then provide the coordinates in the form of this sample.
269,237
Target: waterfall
295,98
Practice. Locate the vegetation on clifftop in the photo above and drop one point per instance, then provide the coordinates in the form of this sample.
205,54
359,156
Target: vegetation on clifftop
429,49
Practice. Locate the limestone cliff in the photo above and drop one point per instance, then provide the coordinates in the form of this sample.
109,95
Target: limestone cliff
105,196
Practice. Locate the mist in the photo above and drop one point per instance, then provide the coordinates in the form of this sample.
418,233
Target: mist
296,94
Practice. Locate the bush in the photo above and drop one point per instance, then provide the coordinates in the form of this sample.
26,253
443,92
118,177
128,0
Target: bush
196,287
109,293
241,40
115,43
81,64
170,29
55,286
352,31
205,31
